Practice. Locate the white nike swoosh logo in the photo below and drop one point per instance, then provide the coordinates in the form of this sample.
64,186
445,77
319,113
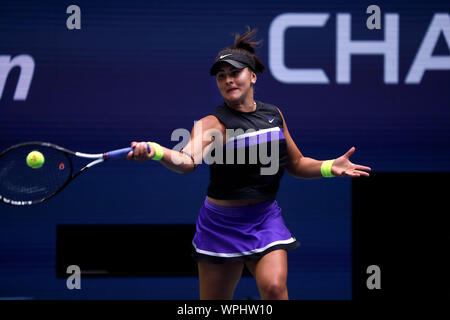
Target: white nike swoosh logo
225,55
270,121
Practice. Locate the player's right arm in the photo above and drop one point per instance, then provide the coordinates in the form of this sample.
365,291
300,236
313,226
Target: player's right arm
203,133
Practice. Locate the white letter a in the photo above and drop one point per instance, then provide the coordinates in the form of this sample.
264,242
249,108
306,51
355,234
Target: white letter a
374,21
374,281
74,281
73,21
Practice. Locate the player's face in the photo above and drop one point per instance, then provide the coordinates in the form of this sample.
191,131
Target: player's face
236,85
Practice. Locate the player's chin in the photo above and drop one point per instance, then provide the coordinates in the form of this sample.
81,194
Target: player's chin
233,97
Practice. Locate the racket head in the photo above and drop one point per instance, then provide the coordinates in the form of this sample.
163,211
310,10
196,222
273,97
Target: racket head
22,185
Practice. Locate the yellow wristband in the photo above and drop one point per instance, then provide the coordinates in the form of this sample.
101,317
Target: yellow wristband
159,152
325,169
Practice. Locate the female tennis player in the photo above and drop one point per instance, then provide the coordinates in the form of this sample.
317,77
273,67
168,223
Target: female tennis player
240,221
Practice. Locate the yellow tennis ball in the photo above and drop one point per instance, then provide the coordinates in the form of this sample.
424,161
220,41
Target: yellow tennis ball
35,159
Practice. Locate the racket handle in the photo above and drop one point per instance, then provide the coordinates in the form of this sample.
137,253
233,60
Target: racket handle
119,153
116,154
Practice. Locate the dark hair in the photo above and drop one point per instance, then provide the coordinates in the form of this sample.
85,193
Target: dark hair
246,44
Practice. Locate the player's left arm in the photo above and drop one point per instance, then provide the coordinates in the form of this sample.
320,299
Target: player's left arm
300,166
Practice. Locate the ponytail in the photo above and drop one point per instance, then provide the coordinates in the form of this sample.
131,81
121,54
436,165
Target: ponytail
246,44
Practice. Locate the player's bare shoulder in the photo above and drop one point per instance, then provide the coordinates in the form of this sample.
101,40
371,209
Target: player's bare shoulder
211,128
211,122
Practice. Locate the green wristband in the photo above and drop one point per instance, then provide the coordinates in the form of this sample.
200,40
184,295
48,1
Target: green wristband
159,152
325,169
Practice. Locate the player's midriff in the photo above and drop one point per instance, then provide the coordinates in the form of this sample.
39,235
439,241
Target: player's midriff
235,202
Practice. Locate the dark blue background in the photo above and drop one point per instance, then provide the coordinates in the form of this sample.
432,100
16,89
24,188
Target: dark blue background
139,70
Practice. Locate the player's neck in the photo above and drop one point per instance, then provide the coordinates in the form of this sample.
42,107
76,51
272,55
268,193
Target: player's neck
248,105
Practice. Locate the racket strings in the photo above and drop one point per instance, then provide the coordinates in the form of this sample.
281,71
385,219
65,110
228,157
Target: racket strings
19,182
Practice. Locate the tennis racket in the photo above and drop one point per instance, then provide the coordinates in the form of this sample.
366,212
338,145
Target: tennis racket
23,185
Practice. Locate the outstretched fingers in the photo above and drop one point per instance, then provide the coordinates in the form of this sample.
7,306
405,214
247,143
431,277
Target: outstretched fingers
362,168
354,173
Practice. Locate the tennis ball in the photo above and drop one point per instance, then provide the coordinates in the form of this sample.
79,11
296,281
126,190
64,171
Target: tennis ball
35,159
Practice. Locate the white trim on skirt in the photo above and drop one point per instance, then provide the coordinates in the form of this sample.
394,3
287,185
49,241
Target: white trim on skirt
246,253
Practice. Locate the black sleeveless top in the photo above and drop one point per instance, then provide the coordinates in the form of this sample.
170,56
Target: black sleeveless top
252,162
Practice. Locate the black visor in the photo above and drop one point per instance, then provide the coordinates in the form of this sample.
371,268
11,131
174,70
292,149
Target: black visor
236,59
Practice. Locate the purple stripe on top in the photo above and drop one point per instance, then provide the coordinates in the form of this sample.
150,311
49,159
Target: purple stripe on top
251,139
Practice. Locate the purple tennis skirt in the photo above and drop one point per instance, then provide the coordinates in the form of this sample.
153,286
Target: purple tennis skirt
227,234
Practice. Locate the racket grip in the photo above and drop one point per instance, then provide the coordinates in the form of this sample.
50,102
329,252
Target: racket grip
117,154
120,153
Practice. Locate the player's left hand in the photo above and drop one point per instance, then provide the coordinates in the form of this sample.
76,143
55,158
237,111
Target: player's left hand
342,167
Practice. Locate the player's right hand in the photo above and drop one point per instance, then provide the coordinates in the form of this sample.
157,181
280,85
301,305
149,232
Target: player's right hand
141,151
